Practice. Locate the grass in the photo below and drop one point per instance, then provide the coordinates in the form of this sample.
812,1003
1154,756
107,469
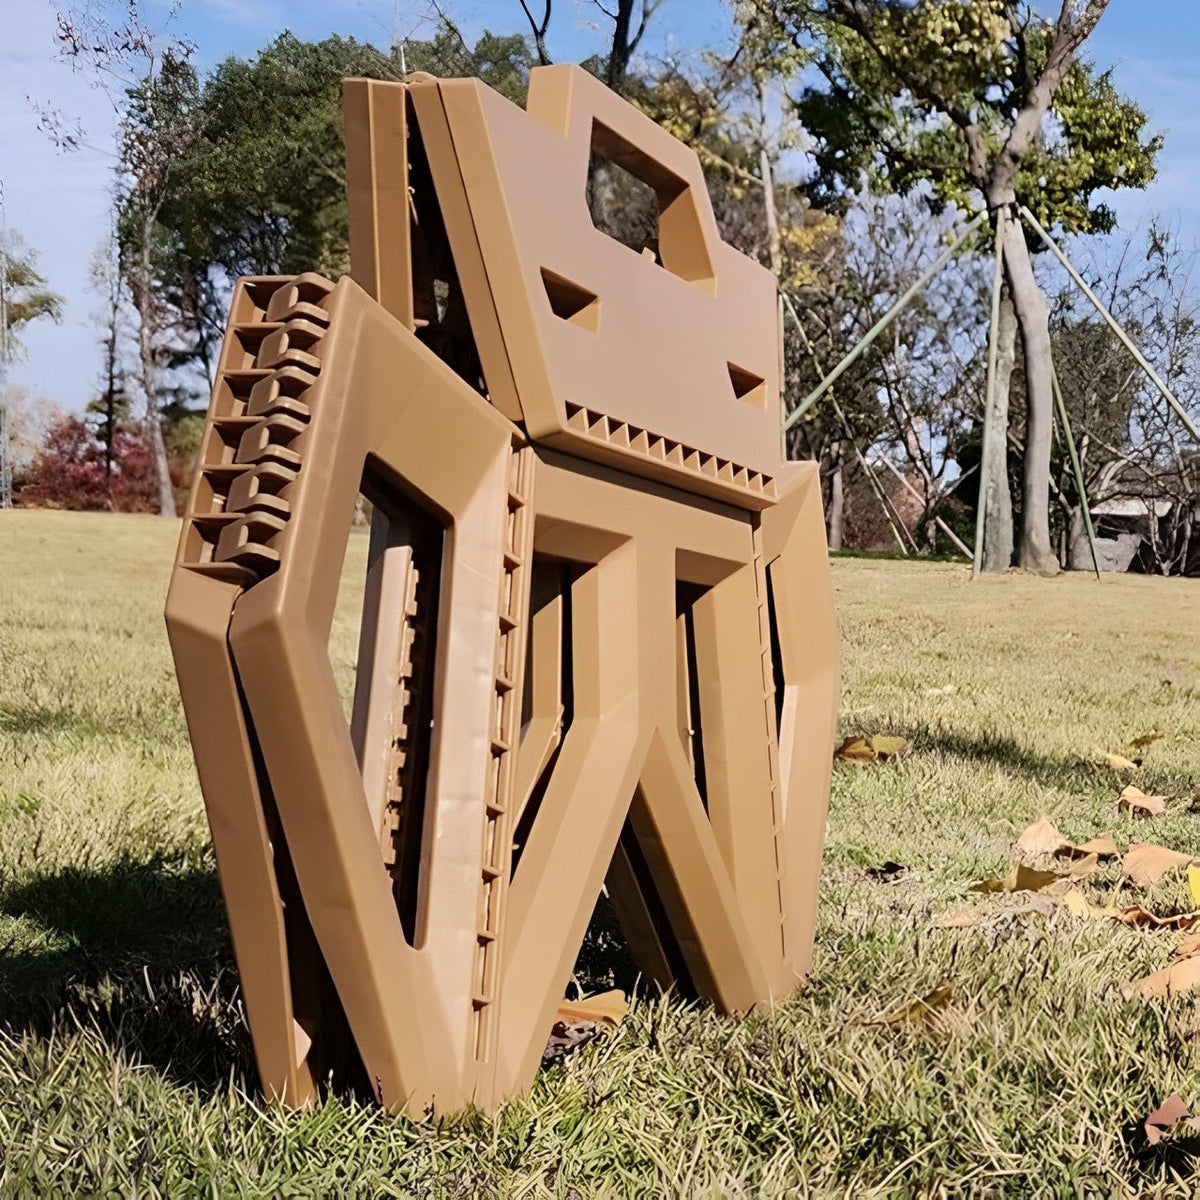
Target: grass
125,1067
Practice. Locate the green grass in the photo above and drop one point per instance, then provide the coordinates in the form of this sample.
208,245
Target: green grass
125,1066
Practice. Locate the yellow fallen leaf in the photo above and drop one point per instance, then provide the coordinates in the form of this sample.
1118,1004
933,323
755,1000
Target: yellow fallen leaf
1147,739
1077,904
1134,801
924,1010
880,748
1146,864
1181,976
1020,879
607,1006
1193,878
1119,762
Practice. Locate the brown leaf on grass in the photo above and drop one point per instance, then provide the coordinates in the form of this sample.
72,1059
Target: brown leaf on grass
1162,1121
609,1007
577,1022
1043,838
880,748
1147,739
1102,847
1135,915
924,1010
1145,864
1083,867
1020,879
1135,802
1119,762
1141,918
1181,976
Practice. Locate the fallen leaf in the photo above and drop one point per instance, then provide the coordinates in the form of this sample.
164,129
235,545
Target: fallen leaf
1119,762
1083,867
1146,864
925,1009
1134,801
609,1007
1020,879
1180,976
1135,915
565,1038
1041,838
1102,847
890,872
1162,1121
1193,877
1147,739
1141,918
880,748
1078,905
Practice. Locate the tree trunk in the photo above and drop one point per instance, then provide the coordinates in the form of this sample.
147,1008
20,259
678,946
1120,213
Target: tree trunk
837,500
1035,553
144,296
998,514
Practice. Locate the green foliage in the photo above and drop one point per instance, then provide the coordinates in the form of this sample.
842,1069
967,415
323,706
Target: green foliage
263,191
26,296
900,88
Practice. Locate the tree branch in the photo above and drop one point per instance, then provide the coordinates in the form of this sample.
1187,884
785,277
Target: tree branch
539,31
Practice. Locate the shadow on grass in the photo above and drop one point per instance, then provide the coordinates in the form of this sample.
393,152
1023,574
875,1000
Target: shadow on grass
1047,770
139,954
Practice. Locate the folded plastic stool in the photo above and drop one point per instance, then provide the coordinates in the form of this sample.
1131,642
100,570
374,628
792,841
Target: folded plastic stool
597,644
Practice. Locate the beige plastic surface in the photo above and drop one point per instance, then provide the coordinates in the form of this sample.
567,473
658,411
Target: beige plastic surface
582,662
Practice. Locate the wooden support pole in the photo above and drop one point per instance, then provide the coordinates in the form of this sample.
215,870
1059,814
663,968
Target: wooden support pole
1076,469
1113,324
892,313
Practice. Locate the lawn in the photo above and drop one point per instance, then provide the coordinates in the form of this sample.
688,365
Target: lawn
125,1066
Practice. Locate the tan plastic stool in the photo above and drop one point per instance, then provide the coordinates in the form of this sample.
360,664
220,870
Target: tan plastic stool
597,646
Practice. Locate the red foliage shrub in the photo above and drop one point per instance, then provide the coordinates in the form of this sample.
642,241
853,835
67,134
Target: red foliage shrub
69,471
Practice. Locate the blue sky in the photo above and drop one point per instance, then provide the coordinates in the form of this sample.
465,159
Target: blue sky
59,203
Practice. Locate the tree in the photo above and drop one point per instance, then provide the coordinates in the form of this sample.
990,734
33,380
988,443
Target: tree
69,470
152,86
971,102
24,298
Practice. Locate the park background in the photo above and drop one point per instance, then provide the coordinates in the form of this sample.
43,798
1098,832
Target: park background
948,1041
